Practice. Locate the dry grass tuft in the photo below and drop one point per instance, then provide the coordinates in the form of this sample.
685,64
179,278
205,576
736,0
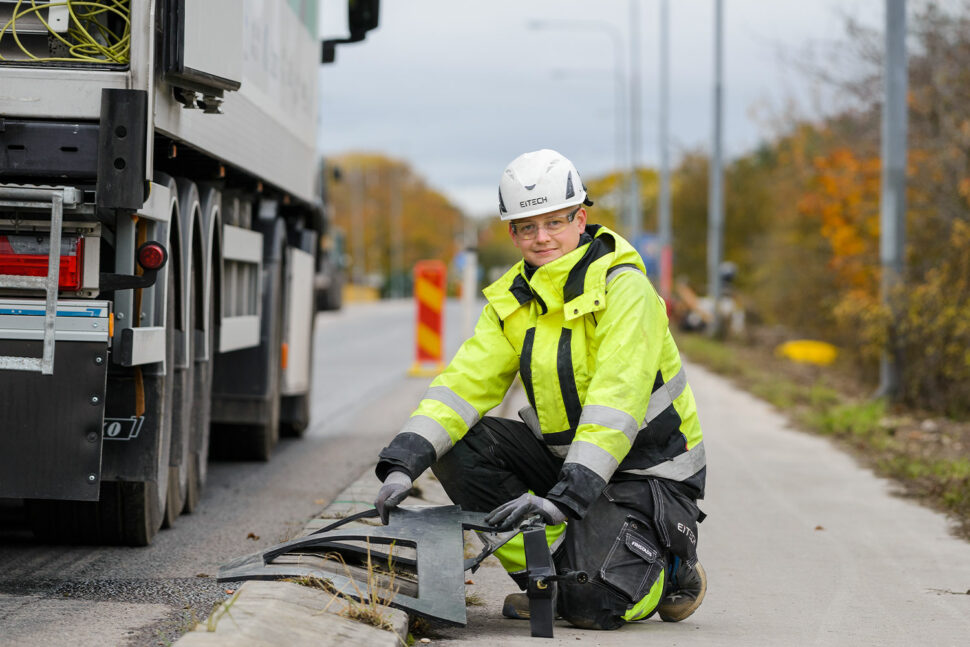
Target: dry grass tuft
370,606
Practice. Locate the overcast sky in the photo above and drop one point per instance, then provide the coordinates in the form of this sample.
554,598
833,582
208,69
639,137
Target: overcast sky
459,88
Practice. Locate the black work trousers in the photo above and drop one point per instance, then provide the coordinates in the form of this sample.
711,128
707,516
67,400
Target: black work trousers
622,542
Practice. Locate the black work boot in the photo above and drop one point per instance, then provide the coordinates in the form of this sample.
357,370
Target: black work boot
516,606
685,593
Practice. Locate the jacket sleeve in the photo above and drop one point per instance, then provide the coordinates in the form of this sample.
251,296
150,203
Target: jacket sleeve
474,382
628,340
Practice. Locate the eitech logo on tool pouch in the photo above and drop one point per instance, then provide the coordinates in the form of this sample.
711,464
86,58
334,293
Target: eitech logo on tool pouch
681,528
122,428
533,202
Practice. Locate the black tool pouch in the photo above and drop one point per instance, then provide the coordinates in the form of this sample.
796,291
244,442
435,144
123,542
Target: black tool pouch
619,550
633,563
675,515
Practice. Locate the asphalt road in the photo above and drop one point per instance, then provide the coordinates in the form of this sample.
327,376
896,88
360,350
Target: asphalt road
53,595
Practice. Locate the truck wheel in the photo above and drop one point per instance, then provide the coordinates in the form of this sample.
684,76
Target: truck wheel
256,442
140,505
182,407
335,293
295,409
202,409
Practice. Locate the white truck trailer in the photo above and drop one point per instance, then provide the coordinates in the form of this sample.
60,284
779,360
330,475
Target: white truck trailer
160,219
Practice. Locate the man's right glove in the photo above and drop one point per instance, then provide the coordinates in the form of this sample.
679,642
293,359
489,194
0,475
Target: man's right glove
513,512
397,486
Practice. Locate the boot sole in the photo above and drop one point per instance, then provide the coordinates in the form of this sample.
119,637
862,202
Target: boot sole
684,613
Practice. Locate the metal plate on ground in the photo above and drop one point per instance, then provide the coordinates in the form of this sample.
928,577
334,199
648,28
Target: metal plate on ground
431,584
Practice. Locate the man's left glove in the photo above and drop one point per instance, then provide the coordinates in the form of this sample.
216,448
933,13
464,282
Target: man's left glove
397,486
512,513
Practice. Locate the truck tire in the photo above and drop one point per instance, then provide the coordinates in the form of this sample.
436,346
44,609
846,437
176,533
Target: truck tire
185,401
331,297
257,441
335,294
295,409
183,404
202,409
141,504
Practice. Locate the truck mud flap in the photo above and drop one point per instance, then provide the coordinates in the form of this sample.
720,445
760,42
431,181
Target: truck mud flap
50,438
423,547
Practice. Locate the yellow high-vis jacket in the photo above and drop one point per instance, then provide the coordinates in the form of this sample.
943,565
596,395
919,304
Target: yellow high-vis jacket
589,337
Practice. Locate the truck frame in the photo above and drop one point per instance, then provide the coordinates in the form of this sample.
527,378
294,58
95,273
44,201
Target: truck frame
160,223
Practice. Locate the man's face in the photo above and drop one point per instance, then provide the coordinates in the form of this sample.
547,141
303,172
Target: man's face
548,236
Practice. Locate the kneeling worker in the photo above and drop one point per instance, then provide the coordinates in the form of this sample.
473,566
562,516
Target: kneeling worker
609,451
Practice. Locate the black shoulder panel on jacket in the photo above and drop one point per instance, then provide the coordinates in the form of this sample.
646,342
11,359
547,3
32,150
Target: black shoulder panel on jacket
525,365
576,280
520,290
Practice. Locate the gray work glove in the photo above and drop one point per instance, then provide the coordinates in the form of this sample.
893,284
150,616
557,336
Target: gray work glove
397,486
517,510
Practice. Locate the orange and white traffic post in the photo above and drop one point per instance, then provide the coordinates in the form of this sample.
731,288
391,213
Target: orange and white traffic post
429,300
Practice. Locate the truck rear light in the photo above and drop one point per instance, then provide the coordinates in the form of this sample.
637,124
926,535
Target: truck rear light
26,255
152,255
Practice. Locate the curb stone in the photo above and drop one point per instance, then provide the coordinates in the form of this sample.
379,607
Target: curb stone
283,613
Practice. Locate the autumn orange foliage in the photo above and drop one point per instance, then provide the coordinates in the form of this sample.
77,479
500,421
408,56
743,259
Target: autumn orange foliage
803,217
363,197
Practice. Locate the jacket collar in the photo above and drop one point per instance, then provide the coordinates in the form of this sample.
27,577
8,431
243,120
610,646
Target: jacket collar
574,282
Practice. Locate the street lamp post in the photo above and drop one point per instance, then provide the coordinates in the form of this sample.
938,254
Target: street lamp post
618,108
613,33
635,125
715,210
892,207
666,234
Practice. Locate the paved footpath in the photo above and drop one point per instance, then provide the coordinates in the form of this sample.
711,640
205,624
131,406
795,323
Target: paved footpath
802,547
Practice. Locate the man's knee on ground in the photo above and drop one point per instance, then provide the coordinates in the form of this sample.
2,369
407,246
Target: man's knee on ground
590,606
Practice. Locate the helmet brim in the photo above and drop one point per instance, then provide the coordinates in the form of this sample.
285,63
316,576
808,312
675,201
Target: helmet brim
580,198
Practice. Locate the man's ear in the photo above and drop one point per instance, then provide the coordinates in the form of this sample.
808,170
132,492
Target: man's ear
580,219
512,236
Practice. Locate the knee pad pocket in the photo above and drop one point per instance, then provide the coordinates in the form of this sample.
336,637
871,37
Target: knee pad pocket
633,563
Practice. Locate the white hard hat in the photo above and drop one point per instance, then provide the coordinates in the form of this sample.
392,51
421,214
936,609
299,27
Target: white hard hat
539,182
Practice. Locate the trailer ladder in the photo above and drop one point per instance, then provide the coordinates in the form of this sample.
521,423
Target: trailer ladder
39,198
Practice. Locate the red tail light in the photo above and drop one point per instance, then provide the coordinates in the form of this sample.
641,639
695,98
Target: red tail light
152,255
25,255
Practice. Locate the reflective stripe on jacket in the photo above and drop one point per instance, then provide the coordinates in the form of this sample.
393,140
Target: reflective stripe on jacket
588,335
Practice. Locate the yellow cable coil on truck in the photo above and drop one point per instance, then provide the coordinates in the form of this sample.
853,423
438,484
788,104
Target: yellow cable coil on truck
97,32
